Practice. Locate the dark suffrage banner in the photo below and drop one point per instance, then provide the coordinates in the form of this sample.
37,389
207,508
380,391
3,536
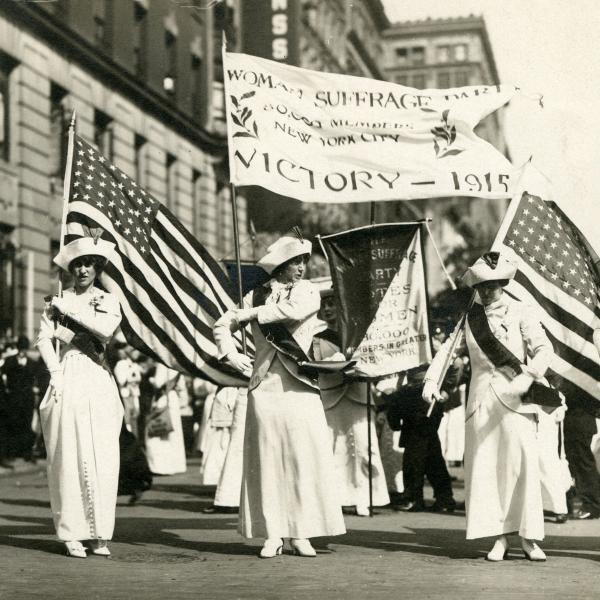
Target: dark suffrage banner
379,281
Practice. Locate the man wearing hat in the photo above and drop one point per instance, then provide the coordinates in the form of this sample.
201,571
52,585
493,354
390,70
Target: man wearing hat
81,413
508,350
288,462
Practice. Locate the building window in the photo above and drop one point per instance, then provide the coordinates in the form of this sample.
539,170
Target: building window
59,127
461,52
141,160
99,12
7,64
7,285
196,75
170,80
401,53
197,197
103,134
443,54
418,81
443,80
140,36
461,78
417,55
171,181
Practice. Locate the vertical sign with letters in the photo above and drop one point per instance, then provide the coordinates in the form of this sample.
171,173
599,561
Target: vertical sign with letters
270,29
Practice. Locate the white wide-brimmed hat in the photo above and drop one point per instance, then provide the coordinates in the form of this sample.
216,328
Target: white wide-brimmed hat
285,248
84,246
492,266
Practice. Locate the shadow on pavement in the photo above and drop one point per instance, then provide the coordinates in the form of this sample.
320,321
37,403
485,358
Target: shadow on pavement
451,543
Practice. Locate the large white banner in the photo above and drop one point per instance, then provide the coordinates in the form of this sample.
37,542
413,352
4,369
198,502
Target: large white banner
322,137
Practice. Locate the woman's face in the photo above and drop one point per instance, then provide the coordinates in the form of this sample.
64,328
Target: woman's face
489,291
84,272
329,311
293,270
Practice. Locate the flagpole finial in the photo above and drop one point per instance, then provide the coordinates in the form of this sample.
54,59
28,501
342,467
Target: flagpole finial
73,117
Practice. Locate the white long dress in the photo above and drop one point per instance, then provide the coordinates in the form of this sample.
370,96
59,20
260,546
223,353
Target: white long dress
230,483
502,467
81,430
166,453
346,414
288,472
217,435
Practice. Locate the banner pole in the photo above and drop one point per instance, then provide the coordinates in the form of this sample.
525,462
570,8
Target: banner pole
437,252
238,264
66,194
369,412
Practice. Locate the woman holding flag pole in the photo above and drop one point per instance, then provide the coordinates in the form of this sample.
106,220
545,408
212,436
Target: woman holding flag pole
288,461
509,352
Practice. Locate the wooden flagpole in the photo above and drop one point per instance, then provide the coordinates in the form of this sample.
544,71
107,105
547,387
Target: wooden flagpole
66,195
238,264
369,413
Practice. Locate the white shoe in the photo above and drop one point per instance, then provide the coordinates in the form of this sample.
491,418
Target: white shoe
363,511
302,547
99,547
75,549
271,548
499,550
532,551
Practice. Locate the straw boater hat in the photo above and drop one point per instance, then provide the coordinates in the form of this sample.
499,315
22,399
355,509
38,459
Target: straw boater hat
285,248
492,266
83,247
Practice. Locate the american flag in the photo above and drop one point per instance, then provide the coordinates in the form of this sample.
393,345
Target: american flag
170,289
559,272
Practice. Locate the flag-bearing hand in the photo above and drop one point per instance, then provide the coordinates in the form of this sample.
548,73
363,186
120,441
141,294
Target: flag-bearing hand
431,392
241,362
59,304
521,384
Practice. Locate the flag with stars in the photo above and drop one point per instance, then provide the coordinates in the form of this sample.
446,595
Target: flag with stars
560,273
170,289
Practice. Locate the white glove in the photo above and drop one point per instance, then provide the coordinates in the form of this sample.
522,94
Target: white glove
336,356
244,315
241,362
520,384
559,414
431,392
59,304
56,384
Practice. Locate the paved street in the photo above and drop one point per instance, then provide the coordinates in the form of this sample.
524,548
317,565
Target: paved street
166,548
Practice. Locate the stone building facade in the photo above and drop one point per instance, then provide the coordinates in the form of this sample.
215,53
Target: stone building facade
139,76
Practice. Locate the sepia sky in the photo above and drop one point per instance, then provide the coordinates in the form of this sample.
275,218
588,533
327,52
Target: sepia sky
549,47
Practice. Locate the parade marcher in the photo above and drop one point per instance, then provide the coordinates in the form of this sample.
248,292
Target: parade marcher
164,435
287,489
217,435
508,351
346,413
128,374
419,438
20,374
227,496
81,413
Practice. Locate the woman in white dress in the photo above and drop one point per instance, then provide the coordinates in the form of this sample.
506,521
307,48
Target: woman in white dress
502,469
166,451
346,412
81,413
288,462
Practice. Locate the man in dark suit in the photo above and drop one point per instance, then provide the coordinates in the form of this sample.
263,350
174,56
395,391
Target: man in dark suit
19,374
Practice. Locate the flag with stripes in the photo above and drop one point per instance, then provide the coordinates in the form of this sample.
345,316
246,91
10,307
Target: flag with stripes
170,289
559,272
